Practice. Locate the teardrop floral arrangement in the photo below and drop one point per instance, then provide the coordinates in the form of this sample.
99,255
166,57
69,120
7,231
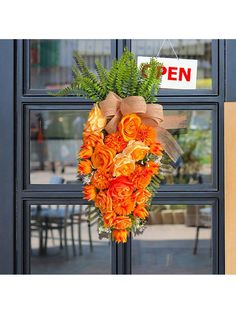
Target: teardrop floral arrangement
124,141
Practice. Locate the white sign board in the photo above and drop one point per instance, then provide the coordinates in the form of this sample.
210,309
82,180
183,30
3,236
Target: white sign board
176,73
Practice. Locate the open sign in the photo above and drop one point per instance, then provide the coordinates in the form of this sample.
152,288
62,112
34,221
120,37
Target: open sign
176,73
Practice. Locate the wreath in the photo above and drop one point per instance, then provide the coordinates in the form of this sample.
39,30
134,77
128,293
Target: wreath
124,141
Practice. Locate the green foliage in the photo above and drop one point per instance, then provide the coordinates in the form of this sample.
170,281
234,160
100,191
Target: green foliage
124,78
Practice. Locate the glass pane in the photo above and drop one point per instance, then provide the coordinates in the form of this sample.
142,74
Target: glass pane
51,60
199,49
55,138
195,165
177,240
63,242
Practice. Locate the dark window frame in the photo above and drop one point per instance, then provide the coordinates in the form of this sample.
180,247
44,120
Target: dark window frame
27,90
121,253
80,107
197,92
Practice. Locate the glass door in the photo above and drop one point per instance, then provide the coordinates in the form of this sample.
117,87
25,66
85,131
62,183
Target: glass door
184,233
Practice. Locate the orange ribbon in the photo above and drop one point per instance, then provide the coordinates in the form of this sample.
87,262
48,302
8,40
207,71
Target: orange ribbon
115,107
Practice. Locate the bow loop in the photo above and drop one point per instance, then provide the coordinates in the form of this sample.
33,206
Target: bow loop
133,104
114,107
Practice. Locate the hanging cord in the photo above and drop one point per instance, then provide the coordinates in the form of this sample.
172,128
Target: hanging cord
172,47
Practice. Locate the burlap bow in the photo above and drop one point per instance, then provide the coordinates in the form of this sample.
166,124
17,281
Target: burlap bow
114,108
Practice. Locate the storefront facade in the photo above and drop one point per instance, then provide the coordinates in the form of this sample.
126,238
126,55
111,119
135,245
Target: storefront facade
190,229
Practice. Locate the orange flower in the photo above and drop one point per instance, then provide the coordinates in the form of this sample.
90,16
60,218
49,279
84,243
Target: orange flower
100,179
115,141
102,157
141,212
122,222
136,149
141,178
85,167
96,120
109,218
92,139
89,192
103,201
86,152
142,196
120,188
120,236
152,168
146,134
156,149
129,126
124,207
123,165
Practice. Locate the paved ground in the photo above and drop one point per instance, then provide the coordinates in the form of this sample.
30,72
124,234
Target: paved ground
162,249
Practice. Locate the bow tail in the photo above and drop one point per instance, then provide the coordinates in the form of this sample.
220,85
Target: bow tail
169,144
112,125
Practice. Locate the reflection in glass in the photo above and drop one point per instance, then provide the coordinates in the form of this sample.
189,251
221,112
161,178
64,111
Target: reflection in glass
56,136
51,60
177,240
64,240
195,165
199,49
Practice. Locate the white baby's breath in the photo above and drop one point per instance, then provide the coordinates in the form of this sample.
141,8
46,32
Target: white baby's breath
86,179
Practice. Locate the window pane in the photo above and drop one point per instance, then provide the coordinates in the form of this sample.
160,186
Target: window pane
63,242
199,49
51,60
195,165
177,240
55,138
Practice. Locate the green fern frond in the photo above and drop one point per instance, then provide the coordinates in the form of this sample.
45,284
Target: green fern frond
112,74
124,78
102,74
151,84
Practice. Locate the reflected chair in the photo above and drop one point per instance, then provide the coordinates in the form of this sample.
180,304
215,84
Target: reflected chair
86,215
53,217
203,220
45,218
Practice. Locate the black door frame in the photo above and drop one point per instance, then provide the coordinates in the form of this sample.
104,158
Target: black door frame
7,154
16,98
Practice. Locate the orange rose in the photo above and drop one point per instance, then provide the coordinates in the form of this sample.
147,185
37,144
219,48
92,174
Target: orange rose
129,126
85,167
102,157
103,201
136,149
123,165
96,120
140,178
122,222
89,192
92,139
146,134
142,196
152,168
141,212
85,152
124,207
115,141
100,179
109,218
120,188
156,149
120,236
